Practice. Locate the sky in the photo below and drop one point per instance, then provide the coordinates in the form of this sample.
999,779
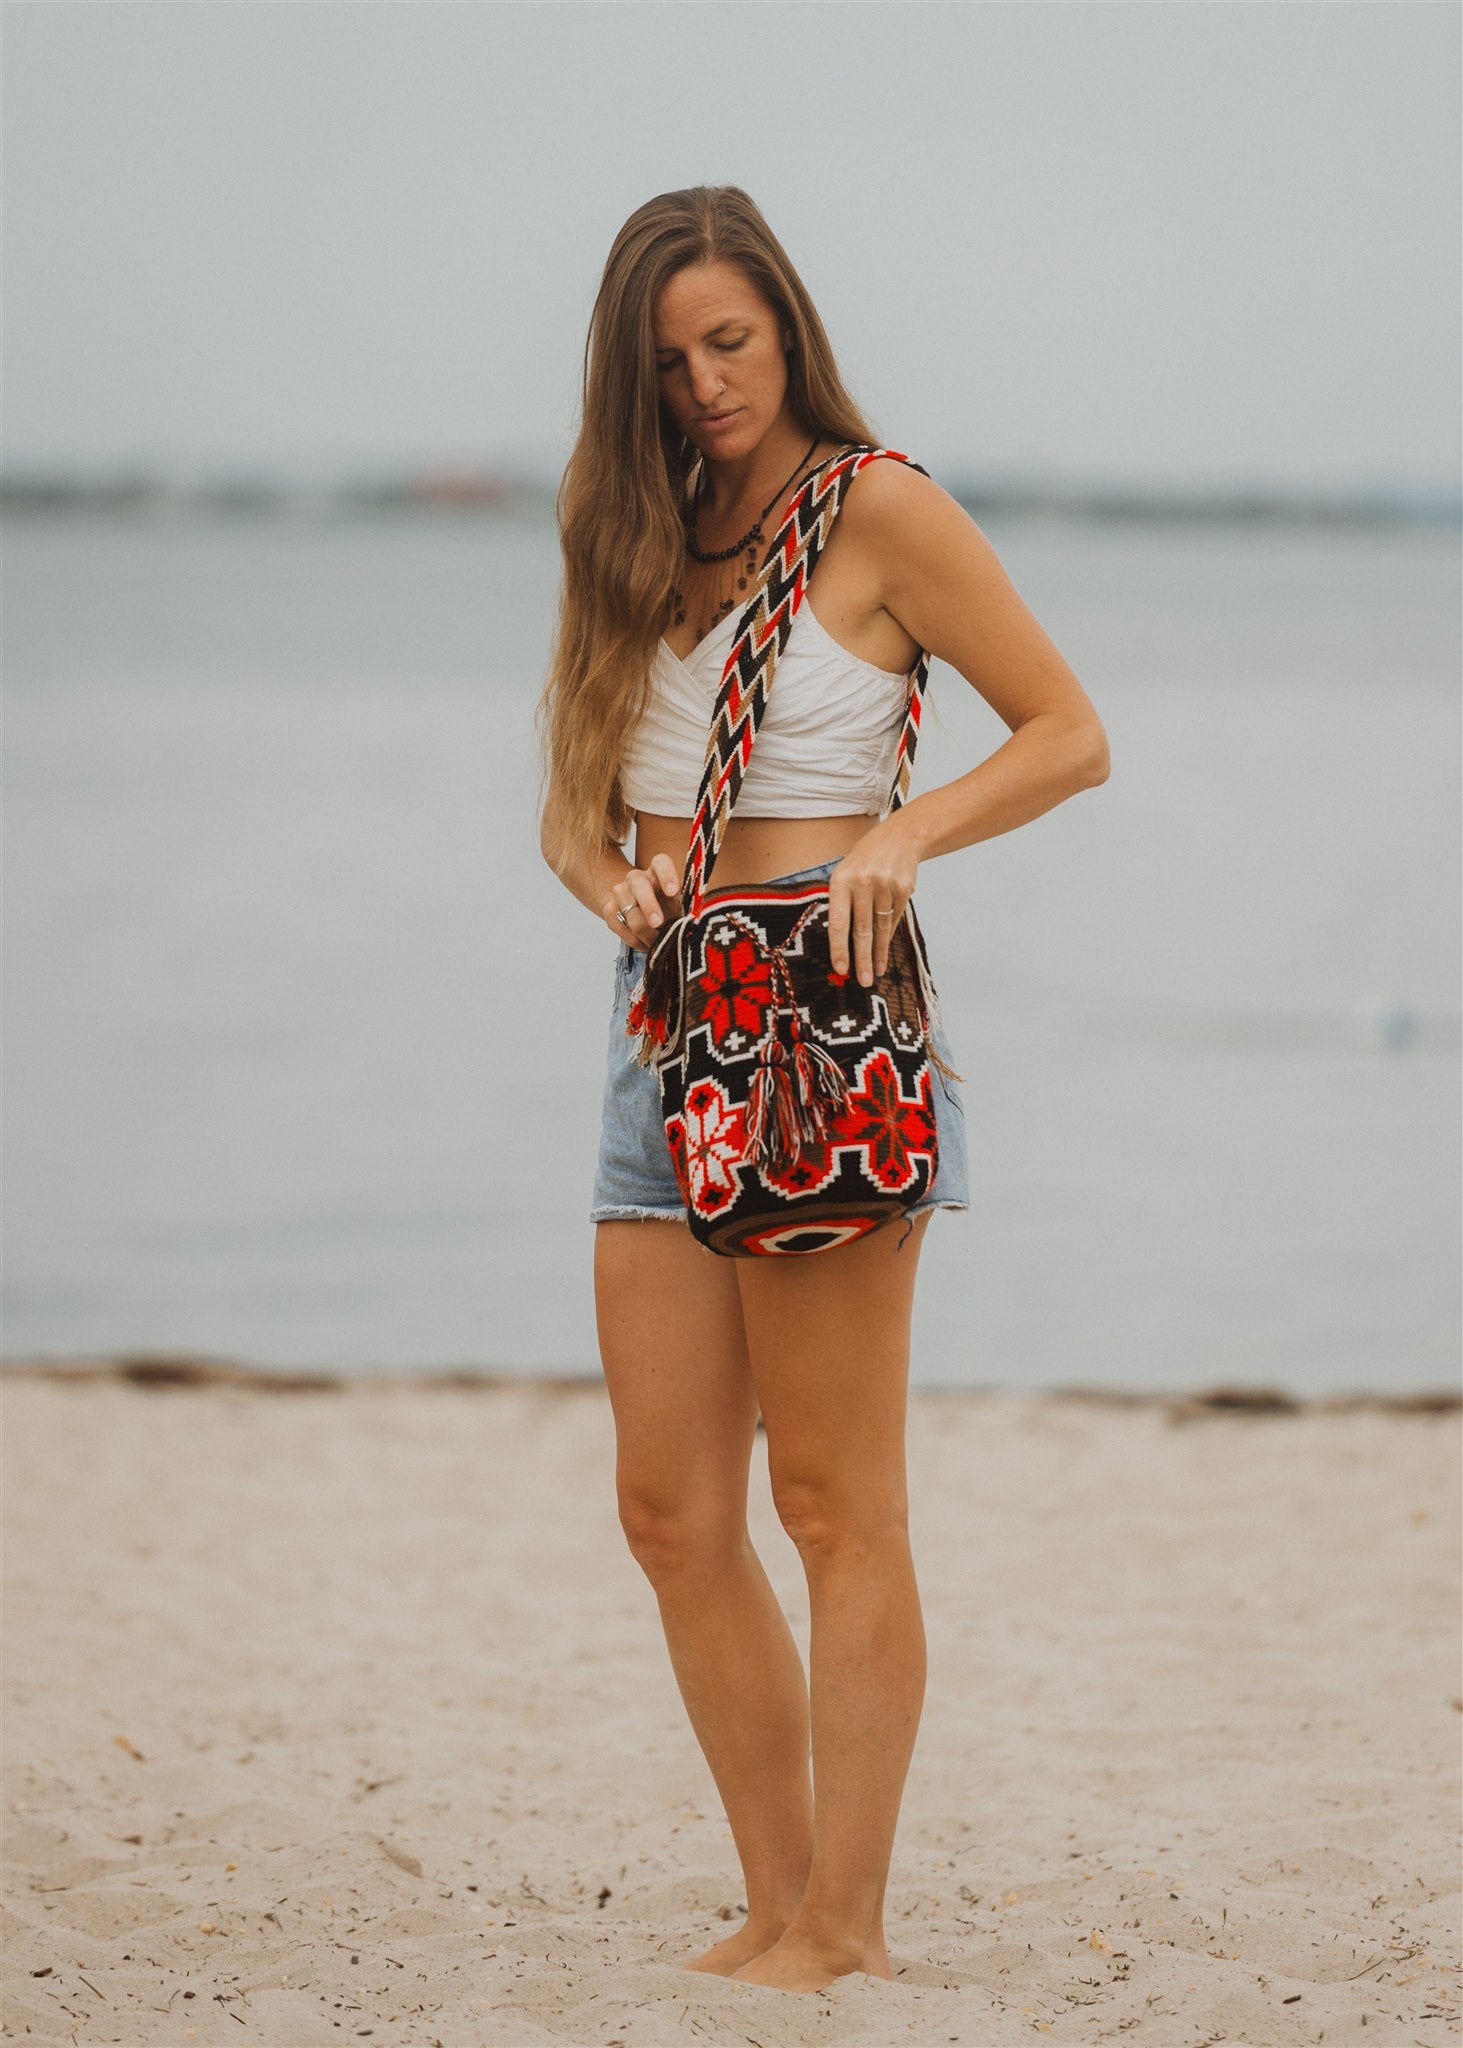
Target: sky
1165,242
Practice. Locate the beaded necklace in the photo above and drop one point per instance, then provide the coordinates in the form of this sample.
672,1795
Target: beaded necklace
747,544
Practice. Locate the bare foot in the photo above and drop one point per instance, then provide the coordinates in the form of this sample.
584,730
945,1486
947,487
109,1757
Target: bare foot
795,1963
728,1956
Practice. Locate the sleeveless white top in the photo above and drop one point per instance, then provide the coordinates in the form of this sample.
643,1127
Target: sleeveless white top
825,748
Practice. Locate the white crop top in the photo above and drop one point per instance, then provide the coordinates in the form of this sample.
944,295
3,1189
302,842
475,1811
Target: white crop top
825,748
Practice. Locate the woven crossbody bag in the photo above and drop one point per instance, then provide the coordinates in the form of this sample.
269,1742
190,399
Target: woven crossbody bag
798,1104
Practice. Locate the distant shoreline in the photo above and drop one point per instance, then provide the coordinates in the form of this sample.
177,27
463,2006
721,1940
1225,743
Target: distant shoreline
145,496
169,1371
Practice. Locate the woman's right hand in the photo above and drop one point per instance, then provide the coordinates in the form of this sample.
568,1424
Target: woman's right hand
647,897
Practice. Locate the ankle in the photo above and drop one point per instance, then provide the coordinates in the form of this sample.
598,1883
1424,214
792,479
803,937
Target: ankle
834,1942
769,1922
838,1929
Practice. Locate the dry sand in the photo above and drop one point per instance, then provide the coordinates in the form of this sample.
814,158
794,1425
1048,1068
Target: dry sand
344,1715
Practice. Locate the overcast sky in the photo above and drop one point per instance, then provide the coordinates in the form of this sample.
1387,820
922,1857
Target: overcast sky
1171,241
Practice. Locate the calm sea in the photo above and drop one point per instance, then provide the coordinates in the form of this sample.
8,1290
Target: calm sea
303,1044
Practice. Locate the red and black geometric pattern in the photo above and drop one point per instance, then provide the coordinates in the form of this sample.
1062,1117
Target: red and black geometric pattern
798,1105
787,1135
761,635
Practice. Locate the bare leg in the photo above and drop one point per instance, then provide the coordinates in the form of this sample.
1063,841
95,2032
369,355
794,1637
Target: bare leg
675,1360
829,1341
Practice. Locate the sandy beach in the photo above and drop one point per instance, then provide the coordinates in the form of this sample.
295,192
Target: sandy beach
340,1712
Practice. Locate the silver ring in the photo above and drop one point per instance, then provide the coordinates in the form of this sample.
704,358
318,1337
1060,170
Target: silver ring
622,917
884,913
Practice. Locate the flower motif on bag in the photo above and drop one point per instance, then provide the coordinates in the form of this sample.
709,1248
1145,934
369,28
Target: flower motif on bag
894,1136
735,992
889,1136
713,1146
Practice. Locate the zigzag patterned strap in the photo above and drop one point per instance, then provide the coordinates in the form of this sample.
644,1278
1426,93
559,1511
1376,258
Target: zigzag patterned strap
762,633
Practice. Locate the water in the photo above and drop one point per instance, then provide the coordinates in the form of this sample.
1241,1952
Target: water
303,1043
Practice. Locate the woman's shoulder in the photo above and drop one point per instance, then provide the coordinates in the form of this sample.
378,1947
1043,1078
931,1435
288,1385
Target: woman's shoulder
887,497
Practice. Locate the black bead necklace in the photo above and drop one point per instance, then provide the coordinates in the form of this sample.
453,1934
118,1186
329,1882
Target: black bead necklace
747,544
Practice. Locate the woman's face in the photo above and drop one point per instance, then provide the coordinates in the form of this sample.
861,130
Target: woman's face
720,359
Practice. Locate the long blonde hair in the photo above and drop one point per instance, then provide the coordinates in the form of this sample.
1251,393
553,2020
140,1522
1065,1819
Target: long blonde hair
620,525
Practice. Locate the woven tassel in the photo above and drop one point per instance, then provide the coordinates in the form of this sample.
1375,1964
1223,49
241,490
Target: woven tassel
658,1000
774,1139
821,1086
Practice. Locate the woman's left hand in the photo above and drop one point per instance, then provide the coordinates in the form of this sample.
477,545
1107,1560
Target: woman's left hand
867,893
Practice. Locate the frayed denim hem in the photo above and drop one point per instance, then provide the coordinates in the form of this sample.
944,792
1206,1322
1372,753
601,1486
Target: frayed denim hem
638,1216
627,1215
924,1209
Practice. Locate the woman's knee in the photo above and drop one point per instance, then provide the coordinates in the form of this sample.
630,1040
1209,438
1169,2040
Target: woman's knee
673,1536
827,1515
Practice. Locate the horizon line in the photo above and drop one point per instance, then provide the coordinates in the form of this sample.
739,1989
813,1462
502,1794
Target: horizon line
139,486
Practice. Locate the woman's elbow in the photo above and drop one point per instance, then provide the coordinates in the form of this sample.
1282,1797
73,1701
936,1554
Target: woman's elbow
551,836
1094,759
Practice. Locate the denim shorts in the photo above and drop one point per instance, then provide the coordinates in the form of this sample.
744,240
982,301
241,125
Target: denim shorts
635,1182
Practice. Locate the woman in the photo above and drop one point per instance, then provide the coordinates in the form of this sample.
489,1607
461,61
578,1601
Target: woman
710,392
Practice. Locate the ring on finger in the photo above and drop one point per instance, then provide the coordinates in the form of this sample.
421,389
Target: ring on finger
621,917
890,912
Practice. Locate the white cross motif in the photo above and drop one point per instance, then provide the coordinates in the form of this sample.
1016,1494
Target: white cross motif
843,1023
735,1039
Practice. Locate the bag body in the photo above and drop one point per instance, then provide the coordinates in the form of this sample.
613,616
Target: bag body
798,1104
800,1110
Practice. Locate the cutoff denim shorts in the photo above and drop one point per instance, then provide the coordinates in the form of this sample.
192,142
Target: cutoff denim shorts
635,1182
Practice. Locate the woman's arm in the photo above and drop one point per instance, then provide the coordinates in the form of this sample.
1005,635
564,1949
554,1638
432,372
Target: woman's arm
930,567
607,881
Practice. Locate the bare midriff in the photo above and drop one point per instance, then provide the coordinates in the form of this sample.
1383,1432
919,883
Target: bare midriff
754,849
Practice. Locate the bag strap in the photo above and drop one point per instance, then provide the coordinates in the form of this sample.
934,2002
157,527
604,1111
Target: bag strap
761,635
